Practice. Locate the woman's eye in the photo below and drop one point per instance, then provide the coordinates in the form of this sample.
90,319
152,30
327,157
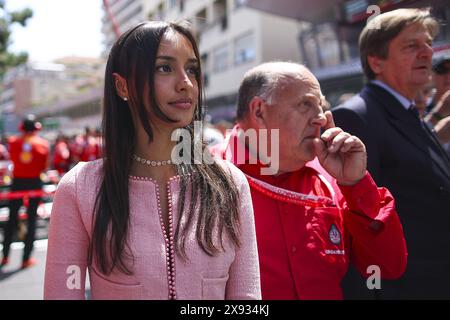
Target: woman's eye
193,70
163,68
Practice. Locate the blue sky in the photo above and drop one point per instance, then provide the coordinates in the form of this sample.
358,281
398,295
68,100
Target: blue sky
59,28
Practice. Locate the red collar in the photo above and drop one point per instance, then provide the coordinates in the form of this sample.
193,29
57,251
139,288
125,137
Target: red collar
233,143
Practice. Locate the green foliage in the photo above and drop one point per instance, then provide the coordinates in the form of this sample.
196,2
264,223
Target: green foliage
7,19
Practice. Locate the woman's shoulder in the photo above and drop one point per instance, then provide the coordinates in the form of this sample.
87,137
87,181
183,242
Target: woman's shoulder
235,172
84,174
83,168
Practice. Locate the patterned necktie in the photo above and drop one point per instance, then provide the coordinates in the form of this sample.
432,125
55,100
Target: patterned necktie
431,135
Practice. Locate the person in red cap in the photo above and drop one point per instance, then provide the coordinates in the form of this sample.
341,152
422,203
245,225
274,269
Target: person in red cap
29,154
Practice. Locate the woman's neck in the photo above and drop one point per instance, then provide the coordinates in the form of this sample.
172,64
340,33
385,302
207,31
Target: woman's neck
159,149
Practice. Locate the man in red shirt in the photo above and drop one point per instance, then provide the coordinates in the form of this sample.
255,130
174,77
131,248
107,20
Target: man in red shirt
4,154
316,207
29,154
61,155
91,147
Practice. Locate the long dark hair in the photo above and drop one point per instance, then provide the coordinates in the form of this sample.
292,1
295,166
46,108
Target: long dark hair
133,56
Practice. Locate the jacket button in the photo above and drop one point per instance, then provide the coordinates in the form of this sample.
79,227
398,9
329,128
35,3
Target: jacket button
294,249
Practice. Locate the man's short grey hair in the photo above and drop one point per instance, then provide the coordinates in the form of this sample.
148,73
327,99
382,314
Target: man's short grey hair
265,80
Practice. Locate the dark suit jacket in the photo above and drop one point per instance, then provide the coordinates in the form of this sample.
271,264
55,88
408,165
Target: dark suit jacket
403,158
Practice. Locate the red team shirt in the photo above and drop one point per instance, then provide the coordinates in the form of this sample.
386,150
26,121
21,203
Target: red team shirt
29,154
305,251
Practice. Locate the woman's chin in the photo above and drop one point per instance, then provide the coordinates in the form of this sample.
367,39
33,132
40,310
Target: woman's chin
180,123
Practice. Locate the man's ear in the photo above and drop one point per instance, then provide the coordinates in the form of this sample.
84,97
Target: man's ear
121,86
376,64
257,112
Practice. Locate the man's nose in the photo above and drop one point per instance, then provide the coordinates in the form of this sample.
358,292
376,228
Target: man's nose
427,51
319,119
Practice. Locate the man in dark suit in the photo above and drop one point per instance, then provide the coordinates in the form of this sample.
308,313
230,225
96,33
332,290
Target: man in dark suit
403,154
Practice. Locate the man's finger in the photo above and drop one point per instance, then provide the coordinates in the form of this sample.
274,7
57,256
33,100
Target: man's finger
329,134
337,142
349,143
330,120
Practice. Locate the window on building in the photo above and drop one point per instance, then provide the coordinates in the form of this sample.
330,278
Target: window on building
160,12
131,18
220,59
205,68
220,13
239,3
200,20
321,47
329,45
310,50
244,49
171,3
443,16
181,5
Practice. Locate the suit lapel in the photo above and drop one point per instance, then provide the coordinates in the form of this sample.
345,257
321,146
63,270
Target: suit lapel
406,125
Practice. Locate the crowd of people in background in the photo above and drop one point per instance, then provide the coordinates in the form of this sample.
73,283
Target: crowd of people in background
66,151
82,147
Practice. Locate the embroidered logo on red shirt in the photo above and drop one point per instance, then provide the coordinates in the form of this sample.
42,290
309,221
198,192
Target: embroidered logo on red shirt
334,234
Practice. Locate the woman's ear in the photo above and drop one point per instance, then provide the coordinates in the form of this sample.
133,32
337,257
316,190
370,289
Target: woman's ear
121,86
257,112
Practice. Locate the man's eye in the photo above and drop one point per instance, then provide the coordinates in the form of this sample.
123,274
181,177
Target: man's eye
305,106
308,104
163,68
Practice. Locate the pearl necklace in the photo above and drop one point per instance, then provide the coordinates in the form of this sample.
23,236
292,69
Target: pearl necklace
150,162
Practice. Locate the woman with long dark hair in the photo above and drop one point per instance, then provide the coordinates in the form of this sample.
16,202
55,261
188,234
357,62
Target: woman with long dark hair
144,223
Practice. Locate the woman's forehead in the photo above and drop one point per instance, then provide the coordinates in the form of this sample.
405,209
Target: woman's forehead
174,42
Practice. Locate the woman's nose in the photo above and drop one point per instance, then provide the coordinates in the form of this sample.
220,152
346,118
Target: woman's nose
184,82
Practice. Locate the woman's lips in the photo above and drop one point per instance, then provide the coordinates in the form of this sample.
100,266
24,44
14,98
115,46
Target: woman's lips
182,104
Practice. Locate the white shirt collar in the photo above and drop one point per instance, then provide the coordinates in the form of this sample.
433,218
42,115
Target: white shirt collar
403,101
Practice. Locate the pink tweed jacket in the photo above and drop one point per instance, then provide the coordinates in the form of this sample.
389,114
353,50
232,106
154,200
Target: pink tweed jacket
157,274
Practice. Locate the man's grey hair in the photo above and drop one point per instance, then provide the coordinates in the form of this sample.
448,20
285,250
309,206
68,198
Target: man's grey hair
265,81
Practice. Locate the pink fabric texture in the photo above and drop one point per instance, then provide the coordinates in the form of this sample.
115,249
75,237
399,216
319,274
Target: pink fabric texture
232,274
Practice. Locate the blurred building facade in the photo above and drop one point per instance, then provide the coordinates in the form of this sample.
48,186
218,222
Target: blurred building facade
235,35
329,41
29,85
120,14
41,88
